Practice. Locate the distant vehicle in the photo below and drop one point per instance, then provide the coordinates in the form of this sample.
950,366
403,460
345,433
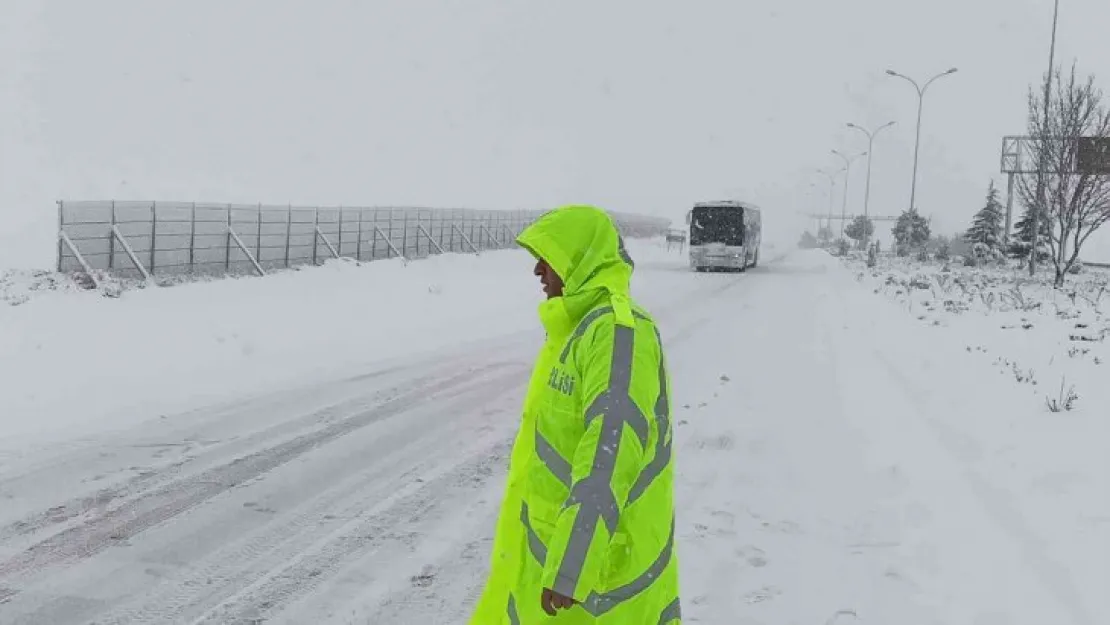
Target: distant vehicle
676,236
724,235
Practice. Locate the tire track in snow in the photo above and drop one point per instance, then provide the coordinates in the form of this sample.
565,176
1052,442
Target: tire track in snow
395,525
234,577
153,508
446,574
71,509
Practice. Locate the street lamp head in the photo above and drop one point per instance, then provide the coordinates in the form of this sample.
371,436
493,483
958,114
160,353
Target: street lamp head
891,72
952,71
851,125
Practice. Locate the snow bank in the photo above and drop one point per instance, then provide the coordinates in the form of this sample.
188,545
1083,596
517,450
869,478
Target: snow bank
1041,336
75,361
1038,461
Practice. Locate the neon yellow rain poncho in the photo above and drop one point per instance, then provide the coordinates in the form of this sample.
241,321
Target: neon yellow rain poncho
588,509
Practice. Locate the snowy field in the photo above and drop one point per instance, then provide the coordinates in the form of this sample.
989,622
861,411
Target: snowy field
336,456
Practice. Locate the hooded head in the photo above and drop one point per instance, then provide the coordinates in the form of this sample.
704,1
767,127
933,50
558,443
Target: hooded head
583,248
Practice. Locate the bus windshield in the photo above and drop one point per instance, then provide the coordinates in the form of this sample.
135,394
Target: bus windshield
717,224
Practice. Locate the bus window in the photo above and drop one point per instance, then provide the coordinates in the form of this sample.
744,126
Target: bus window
717,225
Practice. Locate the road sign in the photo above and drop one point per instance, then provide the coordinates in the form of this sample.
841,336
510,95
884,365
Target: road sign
1091,155
1094,156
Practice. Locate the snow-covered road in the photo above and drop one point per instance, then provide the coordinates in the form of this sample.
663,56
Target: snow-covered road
348,500
819,472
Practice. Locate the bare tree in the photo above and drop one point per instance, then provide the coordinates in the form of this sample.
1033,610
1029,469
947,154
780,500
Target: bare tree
1078,202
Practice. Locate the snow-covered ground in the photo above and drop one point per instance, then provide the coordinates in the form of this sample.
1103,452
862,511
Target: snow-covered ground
1038,461
1041,335
1044,338
328,446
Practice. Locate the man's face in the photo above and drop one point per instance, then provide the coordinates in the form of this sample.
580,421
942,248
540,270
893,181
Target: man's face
552,283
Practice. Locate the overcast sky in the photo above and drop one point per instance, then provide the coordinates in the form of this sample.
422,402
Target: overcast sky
635,105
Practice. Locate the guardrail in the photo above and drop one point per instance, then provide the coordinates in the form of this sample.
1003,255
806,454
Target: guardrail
144,239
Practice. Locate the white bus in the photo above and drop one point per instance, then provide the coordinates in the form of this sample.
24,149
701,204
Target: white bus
724,235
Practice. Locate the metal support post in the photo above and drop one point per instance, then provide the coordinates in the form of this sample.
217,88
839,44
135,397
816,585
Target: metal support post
227,243
315,237
192,238
358,244
421,230
111,240
153,233
339,242
61,231
258,240
1009,208
489,235
320,235
130,252
239,242
378,233
465,238
64,238
288,232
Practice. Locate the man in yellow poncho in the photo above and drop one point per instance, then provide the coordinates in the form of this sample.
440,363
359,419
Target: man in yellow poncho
586,528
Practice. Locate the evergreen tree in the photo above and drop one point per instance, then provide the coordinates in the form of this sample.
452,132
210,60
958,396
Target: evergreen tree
860,230
1022,238
911,231
987,226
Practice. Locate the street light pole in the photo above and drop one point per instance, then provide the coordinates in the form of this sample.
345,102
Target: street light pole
832,190
870,151
848,160
917,142
1042,191
813,195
